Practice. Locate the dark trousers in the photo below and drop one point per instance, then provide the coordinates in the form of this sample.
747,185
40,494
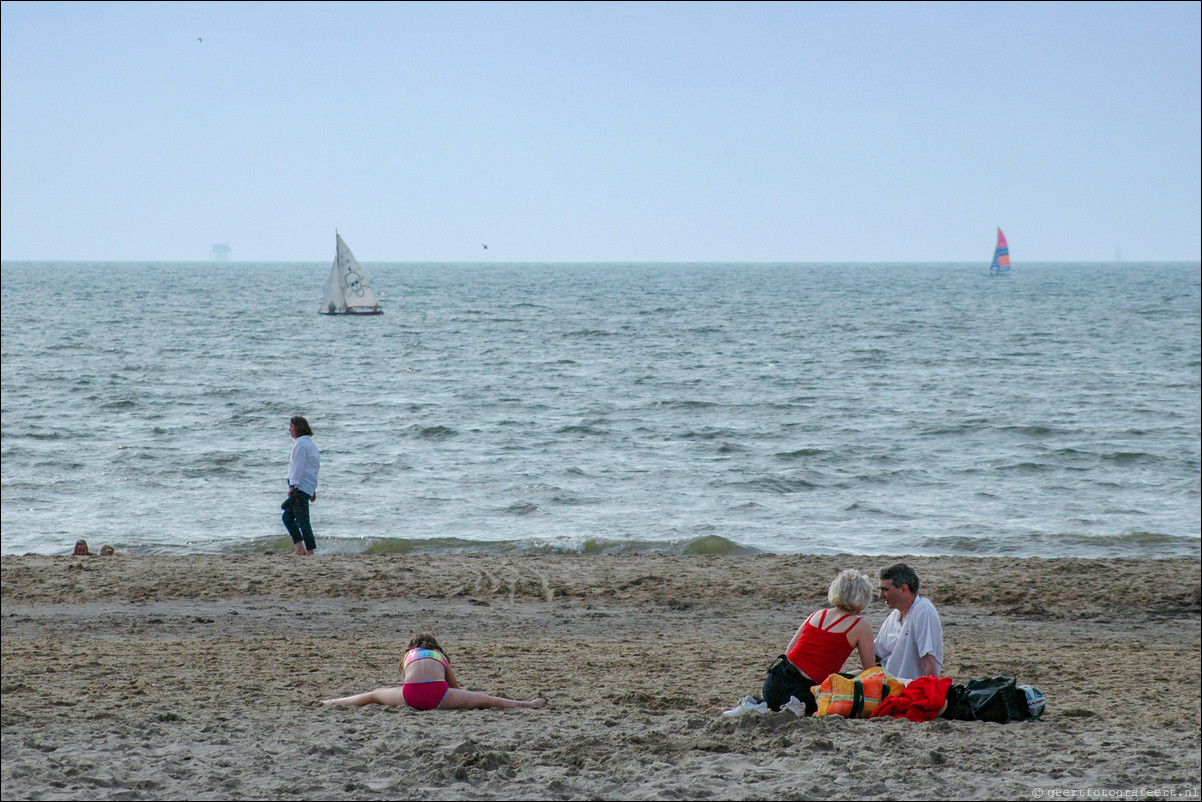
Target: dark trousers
296,519
785,680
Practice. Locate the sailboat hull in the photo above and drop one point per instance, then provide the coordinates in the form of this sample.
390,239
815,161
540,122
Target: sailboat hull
339,312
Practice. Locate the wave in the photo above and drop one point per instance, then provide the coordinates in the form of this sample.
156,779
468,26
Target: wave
1035,431
436,433
583,428
1129,457
47,435
1028,467
954,430
800,454
589,333
1064,544
523,508
707,434
776,484
699,546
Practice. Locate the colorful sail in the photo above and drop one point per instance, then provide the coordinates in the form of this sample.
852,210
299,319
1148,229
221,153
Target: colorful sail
1001,255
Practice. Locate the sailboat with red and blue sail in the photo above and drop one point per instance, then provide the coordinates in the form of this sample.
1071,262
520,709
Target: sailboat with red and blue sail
1001,255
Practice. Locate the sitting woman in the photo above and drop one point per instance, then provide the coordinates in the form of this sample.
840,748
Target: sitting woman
823,642
428,683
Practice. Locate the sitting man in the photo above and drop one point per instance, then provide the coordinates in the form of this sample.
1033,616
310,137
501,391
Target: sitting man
909,643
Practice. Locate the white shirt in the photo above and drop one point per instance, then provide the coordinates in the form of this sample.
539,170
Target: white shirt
902,642
304,464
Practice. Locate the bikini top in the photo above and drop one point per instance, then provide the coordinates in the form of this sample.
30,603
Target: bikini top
413,655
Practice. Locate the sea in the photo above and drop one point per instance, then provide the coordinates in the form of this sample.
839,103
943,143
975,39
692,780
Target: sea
924,409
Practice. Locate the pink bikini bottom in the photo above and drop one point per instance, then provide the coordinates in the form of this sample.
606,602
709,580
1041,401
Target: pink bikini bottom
424,695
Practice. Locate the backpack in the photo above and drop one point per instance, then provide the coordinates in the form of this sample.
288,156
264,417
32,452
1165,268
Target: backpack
999,699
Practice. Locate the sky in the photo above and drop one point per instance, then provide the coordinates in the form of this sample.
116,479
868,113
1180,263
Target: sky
601,132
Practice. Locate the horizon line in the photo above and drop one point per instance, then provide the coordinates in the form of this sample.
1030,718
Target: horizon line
597,261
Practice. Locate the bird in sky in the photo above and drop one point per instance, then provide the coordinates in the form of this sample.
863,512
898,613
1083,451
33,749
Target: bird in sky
485,247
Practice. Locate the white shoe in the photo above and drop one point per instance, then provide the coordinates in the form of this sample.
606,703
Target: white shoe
748,705
796,707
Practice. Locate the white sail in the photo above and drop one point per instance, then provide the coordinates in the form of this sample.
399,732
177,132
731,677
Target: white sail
334,299
348,292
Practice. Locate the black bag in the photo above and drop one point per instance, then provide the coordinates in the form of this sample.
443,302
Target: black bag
783,681
997,699
293,496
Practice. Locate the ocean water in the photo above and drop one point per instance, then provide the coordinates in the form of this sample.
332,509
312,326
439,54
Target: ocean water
687,408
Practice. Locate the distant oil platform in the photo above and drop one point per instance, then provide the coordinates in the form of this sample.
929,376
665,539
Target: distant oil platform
220,252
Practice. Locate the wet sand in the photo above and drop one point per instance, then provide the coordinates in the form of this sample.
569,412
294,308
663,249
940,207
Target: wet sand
201,678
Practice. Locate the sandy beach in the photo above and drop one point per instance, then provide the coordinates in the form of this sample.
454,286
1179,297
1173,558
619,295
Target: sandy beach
201,678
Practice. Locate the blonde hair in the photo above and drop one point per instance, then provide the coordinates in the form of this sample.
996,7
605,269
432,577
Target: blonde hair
850,591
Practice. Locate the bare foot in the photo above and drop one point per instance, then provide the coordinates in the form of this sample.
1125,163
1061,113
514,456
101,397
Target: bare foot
537,703
300,549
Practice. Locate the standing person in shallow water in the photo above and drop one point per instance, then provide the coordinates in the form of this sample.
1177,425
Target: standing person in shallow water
428,683
302,485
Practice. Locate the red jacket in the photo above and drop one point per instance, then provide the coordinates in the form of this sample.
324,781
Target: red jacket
922,700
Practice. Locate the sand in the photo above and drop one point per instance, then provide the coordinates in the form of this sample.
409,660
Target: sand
201,678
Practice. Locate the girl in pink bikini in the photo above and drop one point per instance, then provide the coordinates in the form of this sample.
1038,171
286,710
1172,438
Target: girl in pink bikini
429,684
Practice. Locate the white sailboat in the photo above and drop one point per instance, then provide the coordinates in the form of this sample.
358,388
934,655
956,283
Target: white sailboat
348,291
